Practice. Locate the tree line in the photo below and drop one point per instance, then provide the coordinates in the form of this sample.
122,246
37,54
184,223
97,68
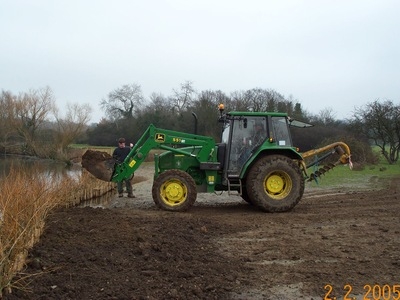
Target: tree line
31,119
30,124
129,114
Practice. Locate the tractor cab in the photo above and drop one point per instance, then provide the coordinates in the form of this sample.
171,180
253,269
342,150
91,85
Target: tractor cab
247,134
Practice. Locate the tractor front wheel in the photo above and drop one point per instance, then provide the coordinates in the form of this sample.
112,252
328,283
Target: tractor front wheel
275,183
174,190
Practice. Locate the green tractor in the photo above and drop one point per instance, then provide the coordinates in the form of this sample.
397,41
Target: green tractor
254,159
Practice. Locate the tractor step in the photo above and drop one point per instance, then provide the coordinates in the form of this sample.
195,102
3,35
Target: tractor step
234,182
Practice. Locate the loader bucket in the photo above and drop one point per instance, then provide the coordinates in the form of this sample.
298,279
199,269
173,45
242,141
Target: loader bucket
99,164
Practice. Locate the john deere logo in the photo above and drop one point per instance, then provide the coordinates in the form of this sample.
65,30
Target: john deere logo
160,137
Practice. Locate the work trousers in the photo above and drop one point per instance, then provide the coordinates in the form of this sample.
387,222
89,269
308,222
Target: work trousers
120,187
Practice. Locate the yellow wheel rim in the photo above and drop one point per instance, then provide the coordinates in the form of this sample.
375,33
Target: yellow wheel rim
173,192
278,185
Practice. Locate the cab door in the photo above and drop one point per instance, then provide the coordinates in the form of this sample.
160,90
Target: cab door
244,136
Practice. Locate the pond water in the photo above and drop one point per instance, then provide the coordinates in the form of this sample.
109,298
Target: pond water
44,166
51,170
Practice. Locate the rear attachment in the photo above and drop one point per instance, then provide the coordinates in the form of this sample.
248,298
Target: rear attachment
339,148
99,164
320,171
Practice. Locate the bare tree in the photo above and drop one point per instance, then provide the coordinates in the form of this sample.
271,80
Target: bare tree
183,98
7,117
239,101
159,104
259,100
325,117
158,112
265,100
31,110
380,122
123,102
206,109
71,126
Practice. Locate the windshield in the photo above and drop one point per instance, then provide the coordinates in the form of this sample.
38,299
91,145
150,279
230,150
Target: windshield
281,131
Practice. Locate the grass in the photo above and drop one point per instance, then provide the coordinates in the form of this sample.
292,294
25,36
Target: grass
371,176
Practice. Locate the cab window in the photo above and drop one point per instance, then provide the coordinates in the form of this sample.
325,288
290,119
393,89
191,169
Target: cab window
280,131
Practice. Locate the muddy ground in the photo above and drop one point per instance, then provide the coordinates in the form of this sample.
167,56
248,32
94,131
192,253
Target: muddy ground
222,248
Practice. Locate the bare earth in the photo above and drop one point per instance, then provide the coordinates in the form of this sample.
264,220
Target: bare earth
222,248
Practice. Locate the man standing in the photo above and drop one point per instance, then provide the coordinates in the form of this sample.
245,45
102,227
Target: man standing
119,154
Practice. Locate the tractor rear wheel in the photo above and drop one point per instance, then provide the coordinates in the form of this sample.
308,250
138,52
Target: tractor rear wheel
275,183
245,195
174,190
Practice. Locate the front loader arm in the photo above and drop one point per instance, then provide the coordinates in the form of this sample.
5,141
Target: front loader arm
157,138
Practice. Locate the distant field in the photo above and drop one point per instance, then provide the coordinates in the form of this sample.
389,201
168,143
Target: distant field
98,148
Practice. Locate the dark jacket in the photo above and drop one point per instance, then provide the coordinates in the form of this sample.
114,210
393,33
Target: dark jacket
120,154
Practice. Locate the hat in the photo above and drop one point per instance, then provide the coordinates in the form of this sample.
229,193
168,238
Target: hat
121,140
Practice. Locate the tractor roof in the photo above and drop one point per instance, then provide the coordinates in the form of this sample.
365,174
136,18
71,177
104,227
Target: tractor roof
257,114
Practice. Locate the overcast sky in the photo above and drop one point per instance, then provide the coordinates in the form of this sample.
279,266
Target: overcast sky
325,54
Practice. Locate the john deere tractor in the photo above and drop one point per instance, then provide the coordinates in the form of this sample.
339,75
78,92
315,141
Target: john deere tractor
254,159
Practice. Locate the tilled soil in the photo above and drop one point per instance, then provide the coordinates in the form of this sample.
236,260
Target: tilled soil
222,248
